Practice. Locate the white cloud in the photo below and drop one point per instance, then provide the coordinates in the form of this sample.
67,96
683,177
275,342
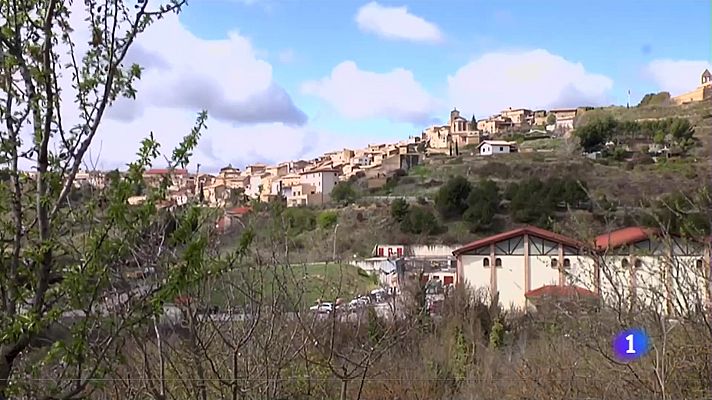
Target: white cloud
532,79
251,117
221,143
396,23
676,76
359,94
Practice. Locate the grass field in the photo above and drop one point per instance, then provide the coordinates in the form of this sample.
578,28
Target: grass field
294,287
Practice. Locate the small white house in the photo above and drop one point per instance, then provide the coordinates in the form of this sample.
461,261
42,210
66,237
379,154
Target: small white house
490,147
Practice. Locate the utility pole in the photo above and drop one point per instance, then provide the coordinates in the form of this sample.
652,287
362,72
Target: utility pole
627,105
333,255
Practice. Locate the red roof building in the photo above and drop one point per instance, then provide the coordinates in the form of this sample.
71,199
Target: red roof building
528,229
624,237
513,262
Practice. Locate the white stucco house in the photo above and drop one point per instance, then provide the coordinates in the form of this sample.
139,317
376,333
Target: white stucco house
630,267
491,147
639,266
314,187
518,261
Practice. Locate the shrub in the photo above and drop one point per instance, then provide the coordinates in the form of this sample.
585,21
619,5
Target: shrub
399,209
327,219
344,193
483,204
420,220
618,154
596,132
299,219
451,199
535,201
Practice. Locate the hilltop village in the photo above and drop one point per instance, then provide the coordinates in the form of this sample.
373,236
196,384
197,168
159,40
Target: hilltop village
310,182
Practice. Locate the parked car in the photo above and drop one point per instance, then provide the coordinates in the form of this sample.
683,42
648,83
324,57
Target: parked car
322,308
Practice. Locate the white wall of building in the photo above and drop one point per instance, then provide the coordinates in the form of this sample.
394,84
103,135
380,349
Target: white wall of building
474,272
511,281
253,188
489,149
510,258
323,182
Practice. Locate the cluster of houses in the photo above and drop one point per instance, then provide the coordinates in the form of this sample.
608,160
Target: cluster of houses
300,182
626,267
310,182
460,132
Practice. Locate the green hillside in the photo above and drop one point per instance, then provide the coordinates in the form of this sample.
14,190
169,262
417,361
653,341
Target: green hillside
628,187
297,286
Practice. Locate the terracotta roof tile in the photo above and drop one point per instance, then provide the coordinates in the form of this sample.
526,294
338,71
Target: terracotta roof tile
560,291
625,236
239,210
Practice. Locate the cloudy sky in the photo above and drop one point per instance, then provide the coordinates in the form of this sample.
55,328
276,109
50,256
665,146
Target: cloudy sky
287,79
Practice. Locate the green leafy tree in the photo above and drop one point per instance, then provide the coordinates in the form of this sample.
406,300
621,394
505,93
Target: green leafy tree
420,221
298,220
451,199
596,132
344,193
70,259
659,137
113,176
483,204
399,209
327,219
550,119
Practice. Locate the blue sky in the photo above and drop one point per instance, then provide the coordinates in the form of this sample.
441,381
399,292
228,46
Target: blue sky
347,73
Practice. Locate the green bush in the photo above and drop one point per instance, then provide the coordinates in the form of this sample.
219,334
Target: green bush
399,209
534,201
451,199
299,219
601,127
483,204
327,219
420,221
344,193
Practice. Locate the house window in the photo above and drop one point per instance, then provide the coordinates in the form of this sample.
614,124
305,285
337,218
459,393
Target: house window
638,263
498,262
501,148
567,263
485,262
380,251
624,263
699,264
554,263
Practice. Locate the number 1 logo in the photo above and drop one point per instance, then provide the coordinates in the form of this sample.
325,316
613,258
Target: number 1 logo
631,344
